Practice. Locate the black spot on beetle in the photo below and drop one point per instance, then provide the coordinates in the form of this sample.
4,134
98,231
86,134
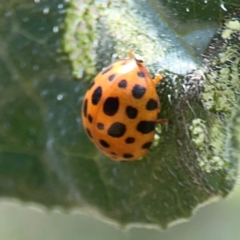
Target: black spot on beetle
96,96
107,70
129,140
111,105
145,127
138,91
104,143
111,77
151,104
141,74
147,145
127,155
90,118
88,132
122,84
117,130
131,112
100,126
85,105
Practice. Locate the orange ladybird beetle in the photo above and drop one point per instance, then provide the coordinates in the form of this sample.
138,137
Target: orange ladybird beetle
120,110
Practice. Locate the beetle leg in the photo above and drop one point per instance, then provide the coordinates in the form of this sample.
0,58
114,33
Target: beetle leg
162,121
158,78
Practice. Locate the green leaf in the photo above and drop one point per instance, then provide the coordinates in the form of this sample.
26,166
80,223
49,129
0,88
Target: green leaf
45,155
